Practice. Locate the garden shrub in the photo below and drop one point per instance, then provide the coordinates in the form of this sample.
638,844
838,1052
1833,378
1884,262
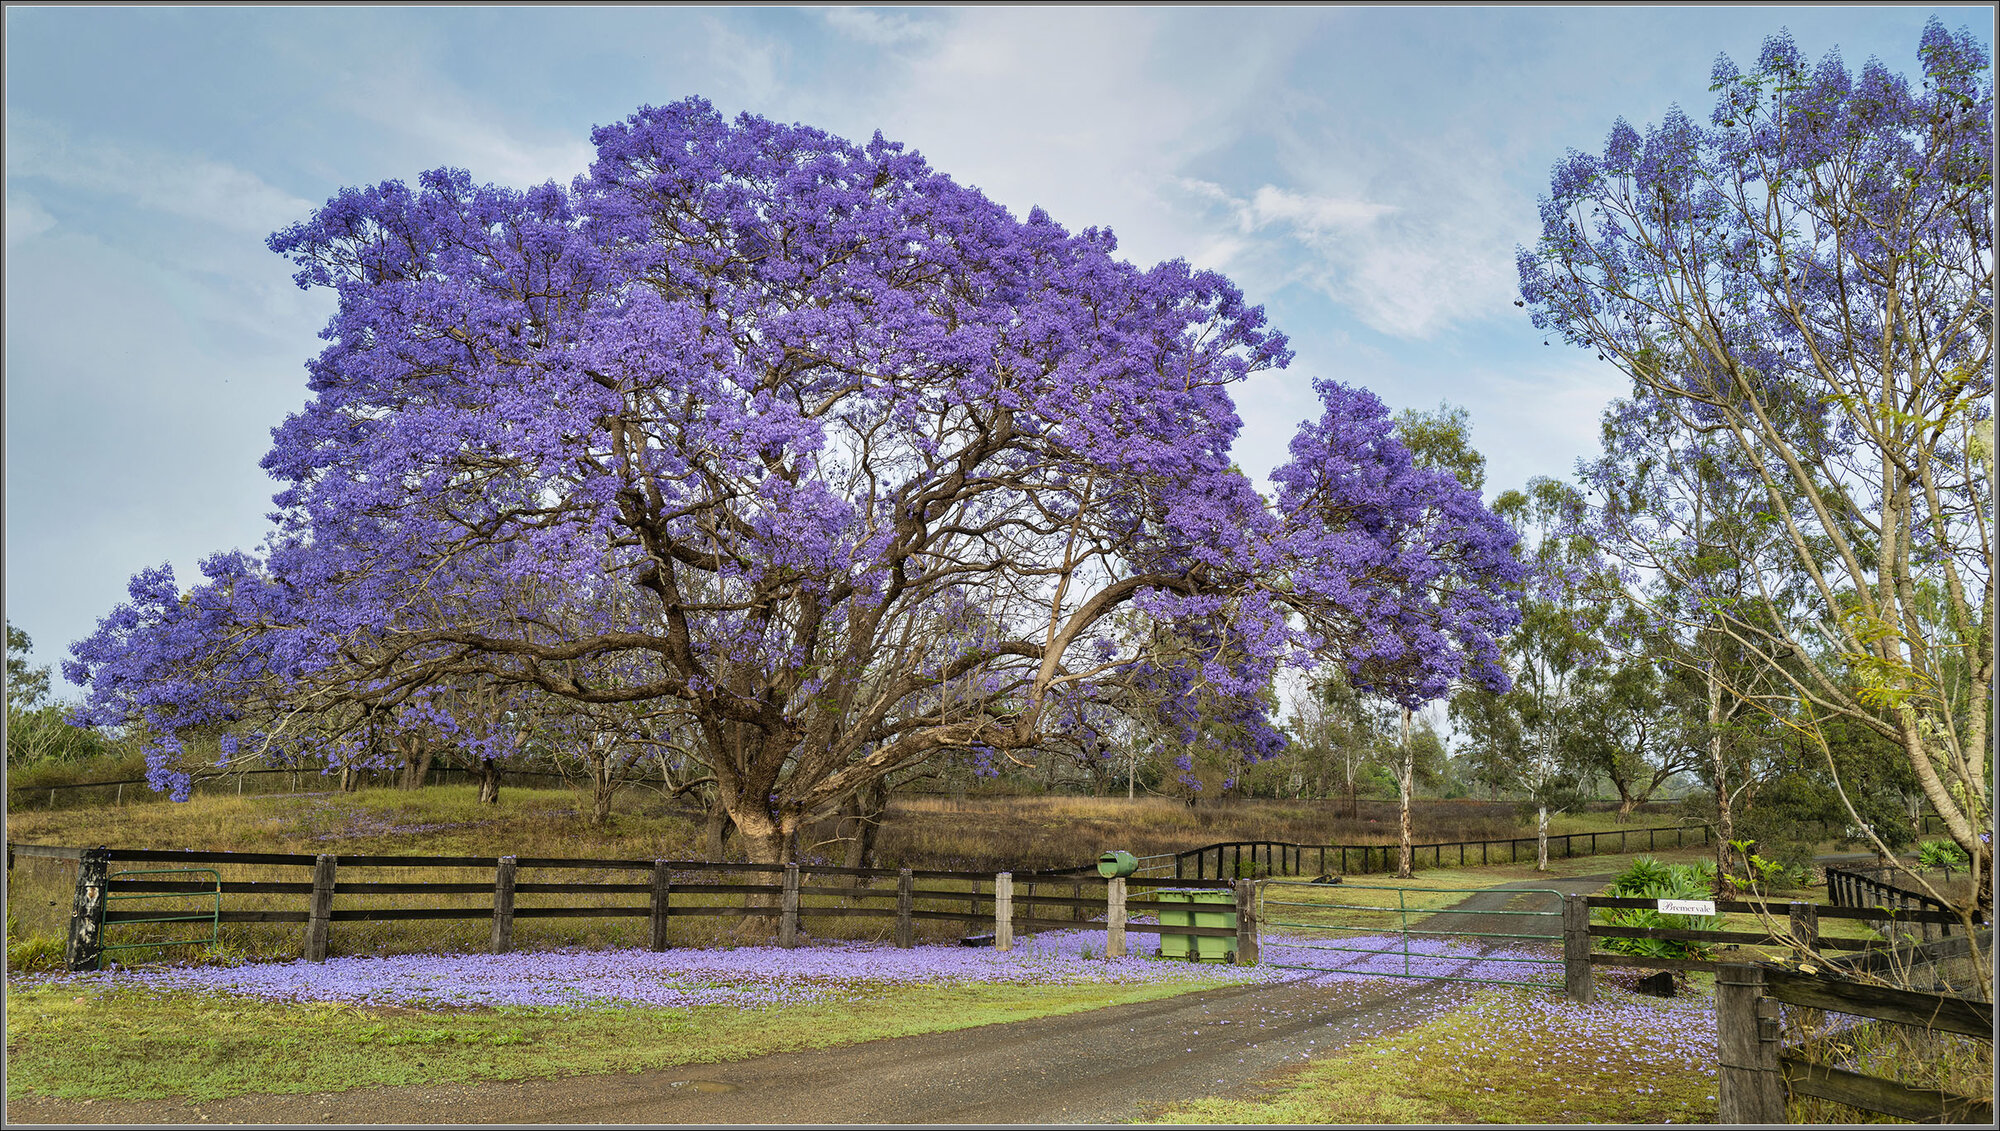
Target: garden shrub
1647,878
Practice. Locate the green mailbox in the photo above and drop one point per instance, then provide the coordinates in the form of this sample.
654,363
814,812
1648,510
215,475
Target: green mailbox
1115,864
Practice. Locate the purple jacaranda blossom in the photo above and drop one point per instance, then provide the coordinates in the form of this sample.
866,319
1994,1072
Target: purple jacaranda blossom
1801,290
818,461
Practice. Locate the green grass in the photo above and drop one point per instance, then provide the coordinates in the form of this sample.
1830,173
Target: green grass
1458,1068
133,1045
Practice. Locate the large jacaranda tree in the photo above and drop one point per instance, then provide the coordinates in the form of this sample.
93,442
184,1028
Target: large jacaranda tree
803,444
1805,285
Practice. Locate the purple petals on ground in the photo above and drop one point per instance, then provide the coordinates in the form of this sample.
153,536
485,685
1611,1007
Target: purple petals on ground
1671,1036
745,977
1344,959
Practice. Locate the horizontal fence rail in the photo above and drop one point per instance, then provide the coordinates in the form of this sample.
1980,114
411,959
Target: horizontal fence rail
656,890
1868,887
1794,925
1248,858
1758,1073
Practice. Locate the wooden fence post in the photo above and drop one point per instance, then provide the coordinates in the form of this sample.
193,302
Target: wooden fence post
1749,1089
1576,948
1805,926
1076,909
905,903
1003,911
1246,922
1114,918
788,908
319,921
503,906
86,910
656,921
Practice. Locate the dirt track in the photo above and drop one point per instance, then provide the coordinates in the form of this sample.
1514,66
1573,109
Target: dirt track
1104,1066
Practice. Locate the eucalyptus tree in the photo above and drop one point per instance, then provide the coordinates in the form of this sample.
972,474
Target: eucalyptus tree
1529,736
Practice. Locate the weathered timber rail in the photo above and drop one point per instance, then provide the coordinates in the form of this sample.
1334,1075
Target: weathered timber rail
1793,925
1279,858
659,892
1758,1074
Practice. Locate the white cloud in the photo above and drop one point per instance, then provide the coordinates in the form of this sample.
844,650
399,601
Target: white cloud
184,185
1090,113
404,94
1410,269
26,218
1313,215
869,25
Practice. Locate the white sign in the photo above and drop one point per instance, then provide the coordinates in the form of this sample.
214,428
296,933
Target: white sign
1687,906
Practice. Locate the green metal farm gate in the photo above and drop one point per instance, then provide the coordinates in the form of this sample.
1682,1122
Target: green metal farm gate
1387,937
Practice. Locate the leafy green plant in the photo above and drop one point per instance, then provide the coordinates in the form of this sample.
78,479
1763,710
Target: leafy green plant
1940,854
1760,874
1647,878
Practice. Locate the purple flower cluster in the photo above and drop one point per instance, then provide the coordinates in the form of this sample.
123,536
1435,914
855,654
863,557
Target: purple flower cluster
795,453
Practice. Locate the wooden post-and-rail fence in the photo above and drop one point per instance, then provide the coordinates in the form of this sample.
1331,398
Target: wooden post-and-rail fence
1793,925
1758,1074
1258,858
662,884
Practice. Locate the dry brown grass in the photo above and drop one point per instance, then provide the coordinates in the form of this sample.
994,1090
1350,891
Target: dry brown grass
976,834
1056,832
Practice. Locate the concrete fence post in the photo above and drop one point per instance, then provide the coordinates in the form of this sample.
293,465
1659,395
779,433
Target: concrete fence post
1114,918
85,948
1576,948
1749,1089
1003,911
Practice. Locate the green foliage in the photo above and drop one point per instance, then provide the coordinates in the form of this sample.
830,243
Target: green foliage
36,729
1940,854
32,953
42,735
1442,441
1760,874
26,686
1647,878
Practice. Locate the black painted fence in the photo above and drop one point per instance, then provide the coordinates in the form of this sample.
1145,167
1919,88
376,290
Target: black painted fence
1277,858
657,892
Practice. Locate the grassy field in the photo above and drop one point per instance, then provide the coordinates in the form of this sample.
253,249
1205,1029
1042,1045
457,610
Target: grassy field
923,832
141,1044
111,1043
1510,1057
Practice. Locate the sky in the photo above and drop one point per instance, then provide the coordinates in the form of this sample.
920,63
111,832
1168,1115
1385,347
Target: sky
1364,173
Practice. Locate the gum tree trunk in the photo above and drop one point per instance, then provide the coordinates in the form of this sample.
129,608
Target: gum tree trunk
1404,857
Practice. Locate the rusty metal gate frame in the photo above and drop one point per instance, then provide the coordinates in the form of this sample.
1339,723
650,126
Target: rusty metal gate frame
1403,931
